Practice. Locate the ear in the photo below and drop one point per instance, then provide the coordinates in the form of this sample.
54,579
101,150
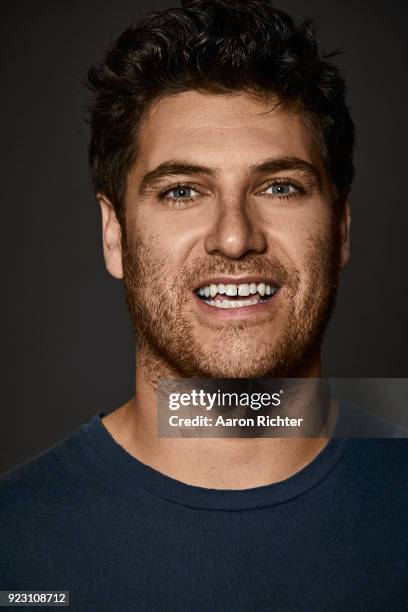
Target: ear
344,227
111,236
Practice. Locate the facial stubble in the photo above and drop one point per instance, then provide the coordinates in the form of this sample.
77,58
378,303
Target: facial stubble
164,323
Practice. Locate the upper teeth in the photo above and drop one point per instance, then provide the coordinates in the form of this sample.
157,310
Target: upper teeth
242,289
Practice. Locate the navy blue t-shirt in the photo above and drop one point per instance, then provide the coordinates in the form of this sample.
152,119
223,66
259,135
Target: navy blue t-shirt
88,518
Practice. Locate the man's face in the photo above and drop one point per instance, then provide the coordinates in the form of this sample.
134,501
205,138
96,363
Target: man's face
232,250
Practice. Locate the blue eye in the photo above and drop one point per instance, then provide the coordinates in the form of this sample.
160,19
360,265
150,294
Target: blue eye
179,196
282,189
181,193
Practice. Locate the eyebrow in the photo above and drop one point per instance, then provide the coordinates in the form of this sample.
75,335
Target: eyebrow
273,164
281,164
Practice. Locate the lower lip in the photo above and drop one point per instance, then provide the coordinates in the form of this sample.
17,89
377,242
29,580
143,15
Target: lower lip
238,312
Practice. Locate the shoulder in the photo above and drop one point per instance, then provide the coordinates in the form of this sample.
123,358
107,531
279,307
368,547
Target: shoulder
391,453
40,501
379,465
43,482
376,461
356,422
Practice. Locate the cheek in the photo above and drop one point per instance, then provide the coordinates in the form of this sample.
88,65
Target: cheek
298,238
171,237
303,241
156,256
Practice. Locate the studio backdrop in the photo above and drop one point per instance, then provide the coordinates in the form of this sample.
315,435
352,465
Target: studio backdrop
67,348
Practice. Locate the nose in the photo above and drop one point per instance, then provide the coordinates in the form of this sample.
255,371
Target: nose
235,232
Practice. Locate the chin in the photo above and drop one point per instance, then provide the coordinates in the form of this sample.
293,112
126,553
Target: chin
224,367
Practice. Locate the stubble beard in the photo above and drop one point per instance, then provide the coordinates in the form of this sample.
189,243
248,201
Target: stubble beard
164,324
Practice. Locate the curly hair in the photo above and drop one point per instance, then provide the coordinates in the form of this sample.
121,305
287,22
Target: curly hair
214,46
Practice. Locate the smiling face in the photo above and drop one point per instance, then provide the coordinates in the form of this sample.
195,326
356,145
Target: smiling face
231,251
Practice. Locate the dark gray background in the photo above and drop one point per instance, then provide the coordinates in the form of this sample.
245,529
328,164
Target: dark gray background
66,342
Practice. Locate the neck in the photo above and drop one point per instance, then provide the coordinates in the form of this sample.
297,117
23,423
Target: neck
220,463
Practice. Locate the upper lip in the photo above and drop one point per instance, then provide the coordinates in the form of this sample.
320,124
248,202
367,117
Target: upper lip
237,280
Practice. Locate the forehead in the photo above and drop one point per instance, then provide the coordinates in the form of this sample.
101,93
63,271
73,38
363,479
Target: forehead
224,131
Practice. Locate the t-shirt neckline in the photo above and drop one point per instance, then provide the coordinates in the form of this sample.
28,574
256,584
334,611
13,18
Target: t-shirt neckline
129,473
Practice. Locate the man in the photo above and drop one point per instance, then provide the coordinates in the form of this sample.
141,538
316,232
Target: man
221,156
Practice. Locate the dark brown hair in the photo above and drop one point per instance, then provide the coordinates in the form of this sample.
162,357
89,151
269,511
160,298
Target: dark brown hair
216,46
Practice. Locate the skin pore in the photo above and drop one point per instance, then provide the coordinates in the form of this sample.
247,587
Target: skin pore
225,188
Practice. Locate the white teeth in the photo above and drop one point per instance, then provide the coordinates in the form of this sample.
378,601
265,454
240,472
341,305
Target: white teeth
213,290
231,290
230,303
261,289
243,290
